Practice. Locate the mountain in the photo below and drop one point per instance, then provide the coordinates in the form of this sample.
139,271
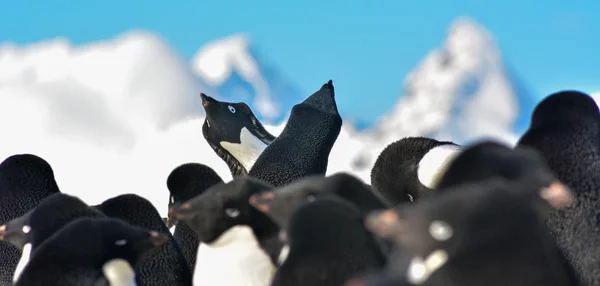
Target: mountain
461,91
236,70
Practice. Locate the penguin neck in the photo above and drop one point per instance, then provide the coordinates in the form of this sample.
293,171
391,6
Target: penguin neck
435,162
247,151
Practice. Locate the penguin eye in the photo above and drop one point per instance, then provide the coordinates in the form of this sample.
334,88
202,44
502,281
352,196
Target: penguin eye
231,108
121,242
231,212
172,200
311,198
26,229
208,123
440,230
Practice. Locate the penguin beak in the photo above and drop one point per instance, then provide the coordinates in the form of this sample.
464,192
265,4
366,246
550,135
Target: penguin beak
182,211
263,201
2,231
158,239
558,195
384,224
205,100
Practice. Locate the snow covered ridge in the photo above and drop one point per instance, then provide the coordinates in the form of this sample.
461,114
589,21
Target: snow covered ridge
123,113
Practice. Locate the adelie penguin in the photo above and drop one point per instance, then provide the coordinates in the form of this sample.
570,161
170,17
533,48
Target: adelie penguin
78,254
304,145
285,200
411,167
166,265
565,129
239,244
328,242
234,133
185,183
467,237
25,180
29,231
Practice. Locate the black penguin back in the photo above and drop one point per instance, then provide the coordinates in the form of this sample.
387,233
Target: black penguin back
304,145
166,265
184,183
25,180
565,129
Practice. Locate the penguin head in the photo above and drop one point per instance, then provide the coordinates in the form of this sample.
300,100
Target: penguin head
17,231
234,133
411,167
44,220
280,203
569,105
220,208
488,159
474,216
188,181
27,173
103,239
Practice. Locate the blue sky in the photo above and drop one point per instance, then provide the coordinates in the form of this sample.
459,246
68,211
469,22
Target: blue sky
366,47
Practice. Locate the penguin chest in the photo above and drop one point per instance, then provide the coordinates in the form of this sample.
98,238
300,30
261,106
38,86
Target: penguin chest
240,262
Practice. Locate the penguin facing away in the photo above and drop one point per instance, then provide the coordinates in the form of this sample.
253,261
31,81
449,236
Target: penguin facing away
328,244
466,237
184,183
234,133
76,254
25,180
166,265
565,130
304,145
239,244
411,167
32,229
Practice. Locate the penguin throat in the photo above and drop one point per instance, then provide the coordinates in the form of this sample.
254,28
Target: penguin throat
433,165
247,151
26,254
239,234
119,272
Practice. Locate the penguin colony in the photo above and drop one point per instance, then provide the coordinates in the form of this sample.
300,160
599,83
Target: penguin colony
435,212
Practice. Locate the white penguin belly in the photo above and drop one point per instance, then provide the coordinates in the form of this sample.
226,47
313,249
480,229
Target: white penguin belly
234,259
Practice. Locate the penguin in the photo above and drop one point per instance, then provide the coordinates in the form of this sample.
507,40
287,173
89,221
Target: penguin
565,130
33,228
166,265
234,133
303,147
488,159
77,254
328,243
288,198
184,183
25,180
345,185
467,237
410,168
239,244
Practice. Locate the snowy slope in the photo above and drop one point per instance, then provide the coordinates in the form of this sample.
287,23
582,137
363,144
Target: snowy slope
234,67
461,92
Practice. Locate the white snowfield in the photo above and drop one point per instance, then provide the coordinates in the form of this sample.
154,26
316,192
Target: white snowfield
117,116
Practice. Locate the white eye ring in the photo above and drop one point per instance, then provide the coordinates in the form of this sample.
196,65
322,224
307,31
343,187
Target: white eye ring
310,198
121,242
231,108
232,212
440,230
26,229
